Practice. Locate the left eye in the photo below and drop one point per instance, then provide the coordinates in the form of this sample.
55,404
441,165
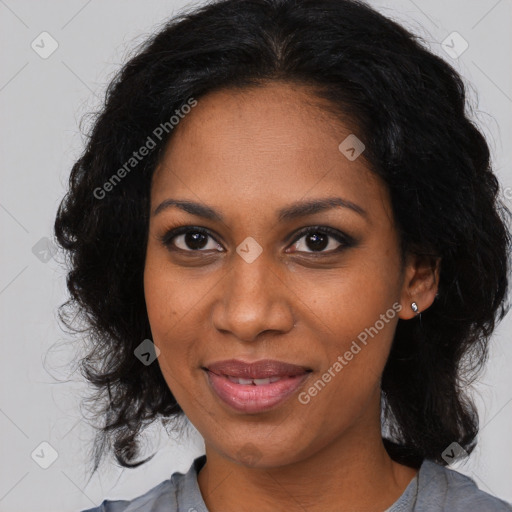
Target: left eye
320,239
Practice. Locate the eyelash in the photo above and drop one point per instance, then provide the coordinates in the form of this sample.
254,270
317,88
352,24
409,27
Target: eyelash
345,240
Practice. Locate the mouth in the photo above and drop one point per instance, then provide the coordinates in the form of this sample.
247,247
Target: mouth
254,387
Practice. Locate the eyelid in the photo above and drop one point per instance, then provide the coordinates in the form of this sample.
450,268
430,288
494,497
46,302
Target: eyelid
172,232
338,235
342,238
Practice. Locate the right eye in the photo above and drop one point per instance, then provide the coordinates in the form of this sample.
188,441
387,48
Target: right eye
189,239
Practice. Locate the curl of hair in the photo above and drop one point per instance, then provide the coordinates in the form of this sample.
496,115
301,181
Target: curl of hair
405,103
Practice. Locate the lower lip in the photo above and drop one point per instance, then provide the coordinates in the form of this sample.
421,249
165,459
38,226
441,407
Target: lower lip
249,398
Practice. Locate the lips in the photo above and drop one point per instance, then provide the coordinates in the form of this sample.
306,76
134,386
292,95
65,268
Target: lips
257,387
257,371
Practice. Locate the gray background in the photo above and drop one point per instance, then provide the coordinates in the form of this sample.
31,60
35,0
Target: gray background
42,102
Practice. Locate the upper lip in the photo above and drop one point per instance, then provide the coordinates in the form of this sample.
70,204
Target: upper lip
262,369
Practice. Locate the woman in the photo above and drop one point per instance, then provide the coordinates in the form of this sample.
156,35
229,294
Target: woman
285,229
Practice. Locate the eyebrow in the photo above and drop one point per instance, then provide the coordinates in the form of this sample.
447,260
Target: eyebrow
290,212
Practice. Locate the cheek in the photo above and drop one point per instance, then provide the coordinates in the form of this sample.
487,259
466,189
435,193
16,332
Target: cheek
345,301
354,314
169,336
349,381
165,313
168,297
358,340
173,303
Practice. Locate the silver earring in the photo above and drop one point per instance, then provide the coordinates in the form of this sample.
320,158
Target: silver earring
414,307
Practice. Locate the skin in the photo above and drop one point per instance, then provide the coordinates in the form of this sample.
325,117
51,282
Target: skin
248,153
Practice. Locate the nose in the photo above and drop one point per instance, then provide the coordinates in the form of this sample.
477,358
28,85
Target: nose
253,298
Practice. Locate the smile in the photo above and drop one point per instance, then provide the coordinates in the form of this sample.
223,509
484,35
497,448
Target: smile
254,395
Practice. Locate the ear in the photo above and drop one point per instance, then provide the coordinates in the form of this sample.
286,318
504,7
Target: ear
420,284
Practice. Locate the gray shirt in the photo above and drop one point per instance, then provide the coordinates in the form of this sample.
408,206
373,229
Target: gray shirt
434,489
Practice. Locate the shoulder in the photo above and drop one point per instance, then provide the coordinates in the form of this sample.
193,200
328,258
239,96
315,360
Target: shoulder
441,488
167,496
160,497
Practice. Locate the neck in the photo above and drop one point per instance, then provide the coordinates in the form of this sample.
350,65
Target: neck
354,472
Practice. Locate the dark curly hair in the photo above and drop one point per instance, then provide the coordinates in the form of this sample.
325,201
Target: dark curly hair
407,105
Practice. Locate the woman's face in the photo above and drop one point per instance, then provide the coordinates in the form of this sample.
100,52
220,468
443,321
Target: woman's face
256,287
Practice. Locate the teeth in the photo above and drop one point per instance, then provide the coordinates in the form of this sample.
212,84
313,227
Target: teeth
256,382
261,382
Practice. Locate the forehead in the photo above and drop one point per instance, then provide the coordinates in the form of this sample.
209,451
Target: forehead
272,144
